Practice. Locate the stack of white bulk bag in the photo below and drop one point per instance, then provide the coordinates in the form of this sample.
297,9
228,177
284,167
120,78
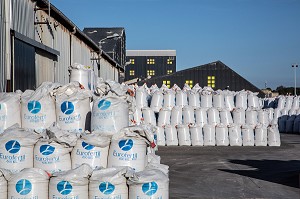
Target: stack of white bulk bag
92,149
241,100
261,135
225,117
176,115
196,135
171,135
213,116
82,74
253,100
109,114
149,116
209,135
164,117
251,117
184,137
201,116
181,98
141,96
218,99
248,135
29,183
53,153
228,100
150,183
129,147
239,116
16,148
161,138
73,107
70,184
169,99
206,98
188,115
38,107
235,135
273,136
4,174
157,101
108,183
193,98
222,135
10,110
281,102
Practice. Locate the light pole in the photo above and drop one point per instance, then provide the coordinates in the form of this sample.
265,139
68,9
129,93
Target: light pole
295,66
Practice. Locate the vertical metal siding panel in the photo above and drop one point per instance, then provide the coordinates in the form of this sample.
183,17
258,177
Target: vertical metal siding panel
2,46
44,68
44,33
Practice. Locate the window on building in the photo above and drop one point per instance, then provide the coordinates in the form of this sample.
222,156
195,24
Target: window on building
189,82
150,61
131,72
167,83
169,71
131,61
169,61
211,81
150,72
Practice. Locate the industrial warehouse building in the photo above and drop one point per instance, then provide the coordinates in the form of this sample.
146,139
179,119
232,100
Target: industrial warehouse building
216,75
38,43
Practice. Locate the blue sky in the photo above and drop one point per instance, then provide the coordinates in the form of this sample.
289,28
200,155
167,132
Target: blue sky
259,39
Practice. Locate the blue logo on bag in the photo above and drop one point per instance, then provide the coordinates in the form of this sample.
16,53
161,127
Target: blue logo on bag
104,104
34,107
150,188
87,146
126,145
106,188
23,187
12,146
67,107
46,149
64,187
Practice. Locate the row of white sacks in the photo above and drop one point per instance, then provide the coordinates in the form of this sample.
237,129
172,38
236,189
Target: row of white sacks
282,102
86,183
57,150
220,135
157,98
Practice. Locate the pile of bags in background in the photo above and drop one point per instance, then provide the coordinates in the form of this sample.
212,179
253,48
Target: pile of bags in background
63,141
202,116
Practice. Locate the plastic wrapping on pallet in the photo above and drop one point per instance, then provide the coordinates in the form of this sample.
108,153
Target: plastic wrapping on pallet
171,135
164,117
176,116
222,135
184,137
157,101
235,135
201,116
213,116
225,117
248,135
209,135
261,135
196,135
188,116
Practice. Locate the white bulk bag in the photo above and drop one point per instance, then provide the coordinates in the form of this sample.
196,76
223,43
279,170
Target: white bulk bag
73,108
206,99
53,154
169,99
141,96
248,135
109,114
176,115
149,116
289,128
239,116
261,135
181,98
277,113
263,117
157,101
129,147
108,183
241,100
289,102
137,116
184,137
150,183
229,100
270,113
193,98
273,136
251,117
10,110
70,184
164,117
38,107
235,135
218,99
29,183
292,111
92,149
161,138
16,148
171,135
209,135
82,74
213,116
188,115
281,102
196,135
201,116
253,100
225,117
222,135
296,102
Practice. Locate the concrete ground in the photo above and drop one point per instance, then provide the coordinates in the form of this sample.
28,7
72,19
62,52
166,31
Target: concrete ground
235,172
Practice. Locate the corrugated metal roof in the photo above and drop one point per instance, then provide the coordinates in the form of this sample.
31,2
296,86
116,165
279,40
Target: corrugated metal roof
150,53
